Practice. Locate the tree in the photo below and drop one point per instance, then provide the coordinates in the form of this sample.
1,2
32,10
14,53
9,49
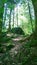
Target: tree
11,5
1,13
10,20
17,15
30,15
4,16
1,19
35,9
13,17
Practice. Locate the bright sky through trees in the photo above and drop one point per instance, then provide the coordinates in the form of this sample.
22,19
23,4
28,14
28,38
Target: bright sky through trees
23,14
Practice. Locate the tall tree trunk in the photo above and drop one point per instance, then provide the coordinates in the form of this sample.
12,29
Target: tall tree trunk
4,17
17,16
35,9
13,17
10,20
1,20
5,13
30,15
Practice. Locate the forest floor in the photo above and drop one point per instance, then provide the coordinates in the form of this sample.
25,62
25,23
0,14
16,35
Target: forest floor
19,50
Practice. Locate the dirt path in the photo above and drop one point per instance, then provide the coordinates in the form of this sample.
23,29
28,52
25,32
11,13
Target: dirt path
17,42
18,45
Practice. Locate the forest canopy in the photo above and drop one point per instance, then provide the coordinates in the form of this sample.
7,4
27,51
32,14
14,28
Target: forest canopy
11,17
18,32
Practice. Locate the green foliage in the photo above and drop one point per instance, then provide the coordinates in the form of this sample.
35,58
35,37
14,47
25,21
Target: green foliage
11,6
27,53
18,31
13,1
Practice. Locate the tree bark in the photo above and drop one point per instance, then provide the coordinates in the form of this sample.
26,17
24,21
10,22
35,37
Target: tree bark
13,18
1,20
30,15
35,9
10,20
17,16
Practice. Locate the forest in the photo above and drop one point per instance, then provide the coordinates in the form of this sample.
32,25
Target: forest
18,32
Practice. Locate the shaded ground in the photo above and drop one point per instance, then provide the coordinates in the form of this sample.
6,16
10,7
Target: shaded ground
19,51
